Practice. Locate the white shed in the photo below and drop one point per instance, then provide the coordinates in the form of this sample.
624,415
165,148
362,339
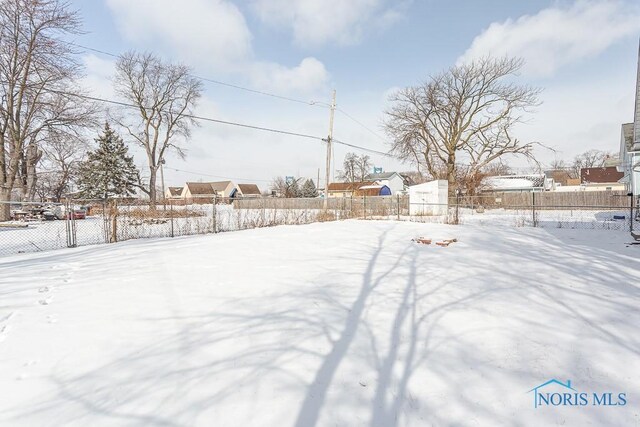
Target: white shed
430,198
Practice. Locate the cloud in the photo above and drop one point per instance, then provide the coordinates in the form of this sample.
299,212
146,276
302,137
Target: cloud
318,22
211,36
210,33
308,77
558,35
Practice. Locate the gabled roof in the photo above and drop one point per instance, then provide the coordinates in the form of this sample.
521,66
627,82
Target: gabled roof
348,186
200,188
249,189
220,185
207,188
175,191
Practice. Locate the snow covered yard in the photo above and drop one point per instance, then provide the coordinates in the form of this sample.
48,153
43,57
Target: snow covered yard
341,323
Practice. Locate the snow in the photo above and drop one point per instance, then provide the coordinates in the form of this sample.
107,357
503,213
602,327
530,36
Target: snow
337,323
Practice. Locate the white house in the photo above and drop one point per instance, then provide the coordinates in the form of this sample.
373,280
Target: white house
430,198
630,146
393,180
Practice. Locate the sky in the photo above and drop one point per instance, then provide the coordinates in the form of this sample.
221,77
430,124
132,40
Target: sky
583,54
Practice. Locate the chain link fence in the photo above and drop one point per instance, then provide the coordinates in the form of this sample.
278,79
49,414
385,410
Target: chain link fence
45,226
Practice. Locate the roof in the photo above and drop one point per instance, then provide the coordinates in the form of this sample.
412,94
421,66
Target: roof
199,188
175,191
600,175
348,186
220,185
515,182
207,188
385,175
249,189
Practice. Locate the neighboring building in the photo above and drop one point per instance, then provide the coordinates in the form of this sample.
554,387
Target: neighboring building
630,146
518,183
248,190
374,190
396,182
601,179
630,159
201,191
173,193
358,189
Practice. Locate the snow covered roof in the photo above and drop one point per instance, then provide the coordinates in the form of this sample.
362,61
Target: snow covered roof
515,182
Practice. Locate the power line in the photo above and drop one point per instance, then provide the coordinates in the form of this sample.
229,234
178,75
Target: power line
358,122
359,147
219,82
192,116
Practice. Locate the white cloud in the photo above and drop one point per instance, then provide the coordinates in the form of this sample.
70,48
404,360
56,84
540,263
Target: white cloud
307,78
211,36
316,22
209,33
558,35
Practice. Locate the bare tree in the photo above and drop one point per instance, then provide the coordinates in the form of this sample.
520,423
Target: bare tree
37,74
164,95
589,159
63,154
286,187
355,168
465,114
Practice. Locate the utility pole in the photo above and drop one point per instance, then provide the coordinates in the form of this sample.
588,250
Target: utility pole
329,141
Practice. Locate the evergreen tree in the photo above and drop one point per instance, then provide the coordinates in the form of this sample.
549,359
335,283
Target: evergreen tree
309,189
294,188
108,171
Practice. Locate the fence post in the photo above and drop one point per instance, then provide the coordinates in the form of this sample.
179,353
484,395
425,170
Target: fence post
457,218
171,216
398,205
364,205
533,208
631,219
215,219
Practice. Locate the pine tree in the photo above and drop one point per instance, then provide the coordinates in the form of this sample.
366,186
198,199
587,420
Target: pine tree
109,171
309,189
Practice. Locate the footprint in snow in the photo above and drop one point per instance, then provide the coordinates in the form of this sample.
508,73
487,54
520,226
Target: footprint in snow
46,301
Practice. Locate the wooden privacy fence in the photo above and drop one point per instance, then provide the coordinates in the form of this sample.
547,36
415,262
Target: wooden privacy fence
578,199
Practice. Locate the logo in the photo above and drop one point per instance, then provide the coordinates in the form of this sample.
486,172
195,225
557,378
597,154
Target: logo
557,393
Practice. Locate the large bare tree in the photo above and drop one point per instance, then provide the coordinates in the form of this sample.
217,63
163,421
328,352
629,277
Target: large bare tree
165,96
62,155
465,114
355,168
37,75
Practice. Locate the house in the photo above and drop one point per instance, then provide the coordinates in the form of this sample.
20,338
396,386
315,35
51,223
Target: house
206,191
601,179
173,193
248,191
630,157
396,182
518,183
358,189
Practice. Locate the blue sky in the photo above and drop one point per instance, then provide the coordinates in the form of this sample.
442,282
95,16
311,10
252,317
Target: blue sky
582,53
